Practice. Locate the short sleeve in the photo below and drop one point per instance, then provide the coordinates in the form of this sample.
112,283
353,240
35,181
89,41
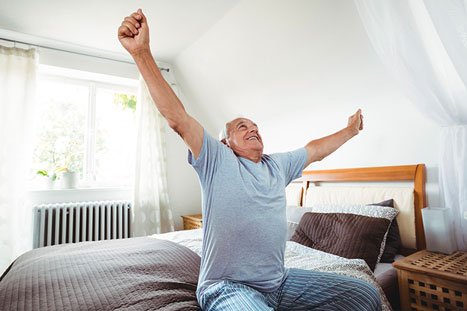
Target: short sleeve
209,159
291,163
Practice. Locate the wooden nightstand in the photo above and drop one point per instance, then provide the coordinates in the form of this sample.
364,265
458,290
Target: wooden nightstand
192,221
431,281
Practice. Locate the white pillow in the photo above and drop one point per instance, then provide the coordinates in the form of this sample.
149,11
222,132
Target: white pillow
364,210
294,214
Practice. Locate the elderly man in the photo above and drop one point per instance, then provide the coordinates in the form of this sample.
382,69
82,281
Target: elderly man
242,264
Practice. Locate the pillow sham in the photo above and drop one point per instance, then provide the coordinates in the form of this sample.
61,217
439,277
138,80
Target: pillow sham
393,238
364,210
342,234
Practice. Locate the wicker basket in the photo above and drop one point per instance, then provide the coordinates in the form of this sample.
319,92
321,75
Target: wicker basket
192,222
430,281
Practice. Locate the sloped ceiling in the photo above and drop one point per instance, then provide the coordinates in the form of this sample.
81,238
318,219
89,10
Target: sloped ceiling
174,24
299,69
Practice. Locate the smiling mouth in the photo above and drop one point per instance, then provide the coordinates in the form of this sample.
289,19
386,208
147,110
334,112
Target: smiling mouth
254,137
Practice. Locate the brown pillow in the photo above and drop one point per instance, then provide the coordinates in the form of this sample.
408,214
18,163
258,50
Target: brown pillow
393,239
345,235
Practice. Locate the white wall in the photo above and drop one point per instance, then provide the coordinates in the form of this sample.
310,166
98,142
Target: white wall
299,68
87,63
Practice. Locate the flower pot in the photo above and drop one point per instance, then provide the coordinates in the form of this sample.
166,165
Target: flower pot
69,180
48,183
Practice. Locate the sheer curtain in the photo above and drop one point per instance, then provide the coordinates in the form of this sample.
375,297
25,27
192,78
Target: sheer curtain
17,89
424,45
151,210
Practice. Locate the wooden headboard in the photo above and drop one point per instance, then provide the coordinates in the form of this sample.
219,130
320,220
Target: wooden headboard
415,173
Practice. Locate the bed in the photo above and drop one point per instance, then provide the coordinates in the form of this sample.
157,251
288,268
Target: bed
405,184
160,272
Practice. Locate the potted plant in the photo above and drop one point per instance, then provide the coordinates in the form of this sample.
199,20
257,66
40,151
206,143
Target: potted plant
68,176
49,179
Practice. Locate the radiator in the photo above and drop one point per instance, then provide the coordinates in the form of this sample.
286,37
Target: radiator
81,221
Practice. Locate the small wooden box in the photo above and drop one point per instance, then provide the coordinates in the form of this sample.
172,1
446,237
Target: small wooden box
192,221
431,281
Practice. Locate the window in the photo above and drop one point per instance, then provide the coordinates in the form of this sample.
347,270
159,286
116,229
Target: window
85,123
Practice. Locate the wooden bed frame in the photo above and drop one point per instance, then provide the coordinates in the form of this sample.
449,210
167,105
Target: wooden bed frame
415,173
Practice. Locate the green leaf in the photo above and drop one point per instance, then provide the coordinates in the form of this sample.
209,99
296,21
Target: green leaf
43,173
125,101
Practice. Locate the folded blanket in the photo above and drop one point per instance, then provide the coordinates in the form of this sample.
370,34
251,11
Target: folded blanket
130,274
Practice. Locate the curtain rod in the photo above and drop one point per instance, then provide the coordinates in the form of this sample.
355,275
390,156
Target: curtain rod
55,45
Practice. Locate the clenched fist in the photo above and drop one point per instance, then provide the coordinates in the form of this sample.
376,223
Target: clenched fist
133,33
356,122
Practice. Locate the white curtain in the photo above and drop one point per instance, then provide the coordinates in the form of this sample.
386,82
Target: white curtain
151,210
17,88
424,45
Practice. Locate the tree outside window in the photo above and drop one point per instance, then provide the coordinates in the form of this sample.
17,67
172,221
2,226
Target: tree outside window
85,127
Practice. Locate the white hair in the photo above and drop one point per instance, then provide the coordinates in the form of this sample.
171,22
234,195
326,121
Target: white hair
223,133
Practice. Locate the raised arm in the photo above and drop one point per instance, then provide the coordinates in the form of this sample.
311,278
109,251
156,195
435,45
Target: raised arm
318,149
133,34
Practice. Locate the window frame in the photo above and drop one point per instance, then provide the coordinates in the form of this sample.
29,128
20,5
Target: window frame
93,82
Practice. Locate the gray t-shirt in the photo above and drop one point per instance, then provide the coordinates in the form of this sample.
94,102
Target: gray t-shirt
244,215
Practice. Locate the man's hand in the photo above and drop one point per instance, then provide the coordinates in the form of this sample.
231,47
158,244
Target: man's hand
318,149
134,33
355,123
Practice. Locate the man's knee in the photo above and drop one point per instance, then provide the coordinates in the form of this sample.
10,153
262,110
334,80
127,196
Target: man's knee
353,294
366,296
228,295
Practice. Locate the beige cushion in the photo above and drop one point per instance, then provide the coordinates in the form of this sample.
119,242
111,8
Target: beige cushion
293,193
403,202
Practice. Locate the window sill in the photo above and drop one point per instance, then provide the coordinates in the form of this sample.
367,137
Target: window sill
86,189
42,196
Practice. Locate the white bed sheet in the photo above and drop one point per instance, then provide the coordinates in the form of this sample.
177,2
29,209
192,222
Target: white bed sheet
296,256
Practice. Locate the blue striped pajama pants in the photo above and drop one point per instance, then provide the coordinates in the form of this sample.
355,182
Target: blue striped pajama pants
302,290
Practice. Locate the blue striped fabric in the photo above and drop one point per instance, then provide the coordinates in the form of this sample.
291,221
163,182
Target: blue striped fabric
302,290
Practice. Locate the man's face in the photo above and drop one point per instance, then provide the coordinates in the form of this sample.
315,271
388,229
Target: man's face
243,137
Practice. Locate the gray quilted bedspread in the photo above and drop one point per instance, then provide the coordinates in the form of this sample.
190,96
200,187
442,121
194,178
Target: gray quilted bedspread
130,274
